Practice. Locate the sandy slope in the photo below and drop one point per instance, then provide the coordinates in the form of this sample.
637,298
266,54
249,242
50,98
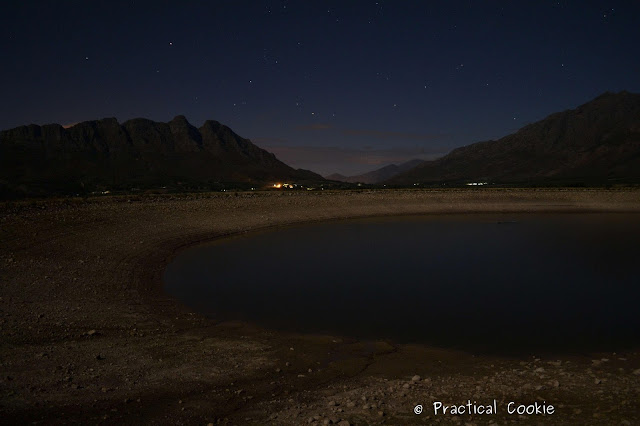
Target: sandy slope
88,335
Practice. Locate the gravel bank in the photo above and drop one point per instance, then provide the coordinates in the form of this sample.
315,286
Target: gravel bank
88,335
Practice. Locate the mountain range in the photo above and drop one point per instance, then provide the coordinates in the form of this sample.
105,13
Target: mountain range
51,159
378,175
595,143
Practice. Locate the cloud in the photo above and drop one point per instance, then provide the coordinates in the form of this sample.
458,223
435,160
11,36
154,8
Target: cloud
348,161
377,134
315,126
403,146
66,126
391,135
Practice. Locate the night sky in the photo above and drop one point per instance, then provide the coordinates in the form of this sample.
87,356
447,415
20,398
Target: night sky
331,86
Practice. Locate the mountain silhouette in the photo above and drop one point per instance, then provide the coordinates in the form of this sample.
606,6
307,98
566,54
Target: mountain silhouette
378,175
596,143
51,159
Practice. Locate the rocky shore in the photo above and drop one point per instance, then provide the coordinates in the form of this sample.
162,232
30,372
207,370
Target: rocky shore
88,335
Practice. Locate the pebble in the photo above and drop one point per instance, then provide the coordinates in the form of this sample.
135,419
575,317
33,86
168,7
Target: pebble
509,377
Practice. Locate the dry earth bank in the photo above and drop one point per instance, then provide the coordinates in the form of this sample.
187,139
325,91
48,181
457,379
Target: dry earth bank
88,335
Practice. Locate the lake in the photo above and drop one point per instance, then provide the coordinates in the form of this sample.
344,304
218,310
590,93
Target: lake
490,283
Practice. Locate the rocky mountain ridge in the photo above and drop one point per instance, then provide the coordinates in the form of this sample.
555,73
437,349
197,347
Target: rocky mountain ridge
139,152
595,143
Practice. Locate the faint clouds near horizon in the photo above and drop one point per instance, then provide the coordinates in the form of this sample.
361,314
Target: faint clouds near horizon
388,135
378,148
345,161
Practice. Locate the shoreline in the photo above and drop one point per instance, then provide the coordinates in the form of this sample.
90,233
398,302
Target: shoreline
116,251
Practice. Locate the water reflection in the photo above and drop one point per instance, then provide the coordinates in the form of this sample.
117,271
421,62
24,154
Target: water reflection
495,283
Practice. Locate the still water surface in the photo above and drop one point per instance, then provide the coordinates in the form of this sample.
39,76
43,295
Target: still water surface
495,283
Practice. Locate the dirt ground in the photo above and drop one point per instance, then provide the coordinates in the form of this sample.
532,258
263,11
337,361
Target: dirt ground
88,336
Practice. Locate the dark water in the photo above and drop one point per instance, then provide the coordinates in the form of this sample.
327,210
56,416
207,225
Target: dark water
486,283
